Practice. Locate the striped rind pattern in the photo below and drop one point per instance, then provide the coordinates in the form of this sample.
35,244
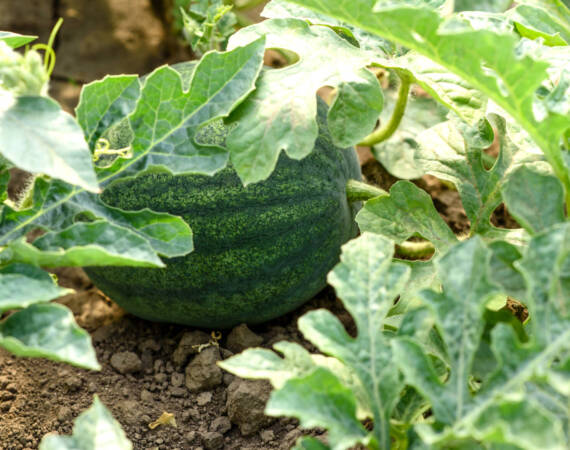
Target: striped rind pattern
260,250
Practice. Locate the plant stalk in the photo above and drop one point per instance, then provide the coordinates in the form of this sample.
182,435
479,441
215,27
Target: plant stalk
415,250
384,132
358,191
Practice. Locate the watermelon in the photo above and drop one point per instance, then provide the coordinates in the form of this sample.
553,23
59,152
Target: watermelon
260,251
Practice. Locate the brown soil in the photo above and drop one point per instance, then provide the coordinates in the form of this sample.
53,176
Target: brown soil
39,396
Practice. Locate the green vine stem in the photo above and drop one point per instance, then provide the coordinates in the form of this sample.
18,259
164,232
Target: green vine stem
358,191
384,132
415,249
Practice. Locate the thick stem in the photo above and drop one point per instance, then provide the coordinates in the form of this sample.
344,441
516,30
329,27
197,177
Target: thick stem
358,191
415,250
384,132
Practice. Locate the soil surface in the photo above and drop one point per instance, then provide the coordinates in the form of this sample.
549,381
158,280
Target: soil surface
149,369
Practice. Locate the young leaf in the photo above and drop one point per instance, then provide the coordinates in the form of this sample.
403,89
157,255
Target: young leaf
104,102
22,285
407,211
48,330
15,40
535,199
320,399
367,282
167,118
38,136
280,114
491,60
94,429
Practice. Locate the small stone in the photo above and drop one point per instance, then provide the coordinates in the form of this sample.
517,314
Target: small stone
92,387
291,437
213,440
129,411
246,403
221,424
126,362
190,437
190,414
146,396
159,441
228,378
158,366
203,398
203,373
188,346
267,435
177,379
64,414
241,337
149,344
161,377
12,387
177,391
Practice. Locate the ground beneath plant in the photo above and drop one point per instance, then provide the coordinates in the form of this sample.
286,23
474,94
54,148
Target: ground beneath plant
149,369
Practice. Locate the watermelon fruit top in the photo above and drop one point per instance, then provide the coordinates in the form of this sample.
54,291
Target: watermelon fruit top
260,251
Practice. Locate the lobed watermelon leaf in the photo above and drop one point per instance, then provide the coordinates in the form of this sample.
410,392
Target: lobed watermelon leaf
48,330
38,136
23,285
280,113
490,59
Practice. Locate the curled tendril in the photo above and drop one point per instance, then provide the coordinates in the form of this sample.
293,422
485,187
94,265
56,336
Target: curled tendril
49,58
103,147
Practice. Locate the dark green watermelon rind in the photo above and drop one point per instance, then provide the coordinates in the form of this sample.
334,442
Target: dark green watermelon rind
260,251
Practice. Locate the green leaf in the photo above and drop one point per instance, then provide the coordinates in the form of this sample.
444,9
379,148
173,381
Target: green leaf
448,154
4,180
545,267
167,118
94,429
397,154
522,423
503,271
85,244
535,199
482,5
490,60
15,40
367,282
57,206
280,113
22,285
406,212
104,102
259,363
38,136
309,443
282,9
533,22
48,330
458,311
319,399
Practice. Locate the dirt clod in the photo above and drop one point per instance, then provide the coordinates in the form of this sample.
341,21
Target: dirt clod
202,373
188,346
221,424
241,337
246,402
213,440
126,362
